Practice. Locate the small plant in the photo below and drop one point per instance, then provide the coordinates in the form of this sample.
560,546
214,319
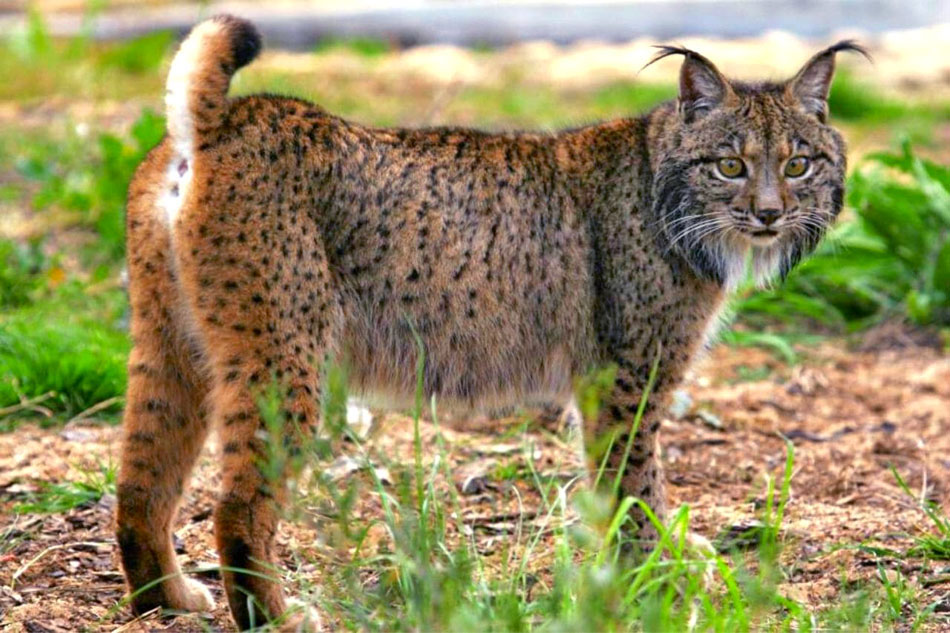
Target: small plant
92,185
22,268
56,498
910,214
937,545
33,43
780,345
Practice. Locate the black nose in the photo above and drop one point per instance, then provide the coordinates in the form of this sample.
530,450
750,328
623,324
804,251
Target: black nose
768,216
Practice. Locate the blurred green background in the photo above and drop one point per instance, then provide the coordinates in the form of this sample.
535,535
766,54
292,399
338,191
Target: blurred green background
76,116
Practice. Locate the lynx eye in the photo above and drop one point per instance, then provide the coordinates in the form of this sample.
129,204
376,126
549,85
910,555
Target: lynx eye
731,167
796,167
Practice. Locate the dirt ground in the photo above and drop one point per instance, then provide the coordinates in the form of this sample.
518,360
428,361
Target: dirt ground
851,413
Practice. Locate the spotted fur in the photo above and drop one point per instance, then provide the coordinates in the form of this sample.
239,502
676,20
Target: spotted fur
266,235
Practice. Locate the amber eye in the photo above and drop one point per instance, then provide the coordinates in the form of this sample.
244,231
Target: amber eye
731,167
796,167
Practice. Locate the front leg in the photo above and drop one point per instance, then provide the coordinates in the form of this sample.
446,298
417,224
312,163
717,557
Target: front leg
624,446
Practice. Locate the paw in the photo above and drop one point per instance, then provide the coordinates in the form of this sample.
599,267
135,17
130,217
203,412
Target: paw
300,618
178,593
699,545
194,596
699,548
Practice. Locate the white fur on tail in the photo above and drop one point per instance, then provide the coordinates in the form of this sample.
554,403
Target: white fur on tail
181,124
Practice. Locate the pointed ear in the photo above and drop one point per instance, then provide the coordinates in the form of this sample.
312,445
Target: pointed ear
809,88
702,86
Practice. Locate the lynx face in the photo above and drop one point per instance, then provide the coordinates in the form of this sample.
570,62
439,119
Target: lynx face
749,169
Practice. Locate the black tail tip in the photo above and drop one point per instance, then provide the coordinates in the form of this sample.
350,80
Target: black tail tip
245,38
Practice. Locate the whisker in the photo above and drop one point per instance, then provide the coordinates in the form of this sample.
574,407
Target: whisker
699,230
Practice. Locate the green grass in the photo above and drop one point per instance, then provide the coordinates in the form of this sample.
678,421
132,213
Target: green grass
65,354
34,65
779,344
138,56
363,46
56,498
630,97
855,101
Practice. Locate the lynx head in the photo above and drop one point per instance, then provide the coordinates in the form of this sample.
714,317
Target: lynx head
748,168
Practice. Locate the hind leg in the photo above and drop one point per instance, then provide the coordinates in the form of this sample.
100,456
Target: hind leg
164,426
255,464
268,323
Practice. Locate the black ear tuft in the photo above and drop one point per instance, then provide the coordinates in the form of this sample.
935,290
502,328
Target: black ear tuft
668,51
244,37
702,86
848,45
810,86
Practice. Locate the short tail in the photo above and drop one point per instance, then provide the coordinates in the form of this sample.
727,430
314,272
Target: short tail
197,87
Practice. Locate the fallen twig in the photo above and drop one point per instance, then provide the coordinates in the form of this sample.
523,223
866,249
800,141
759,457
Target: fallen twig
52,548
96,408
137,621
31,404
